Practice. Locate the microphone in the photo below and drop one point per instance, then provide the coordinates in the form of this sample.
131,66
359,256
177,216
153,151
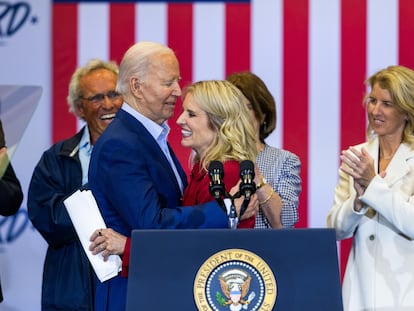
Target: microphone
216,187
216,173
247,185
218,190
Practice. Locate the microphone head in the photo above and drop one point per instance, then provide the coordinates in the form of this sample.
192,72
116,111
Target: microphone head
247,185
216,173
216,167
247,167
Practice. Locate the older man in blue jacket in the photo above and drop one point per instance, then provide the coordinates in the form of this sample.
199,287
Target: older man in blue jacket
67,274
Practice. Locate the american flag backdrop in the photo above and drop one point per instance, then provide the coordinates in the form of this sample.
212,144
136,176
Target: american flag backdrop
314,55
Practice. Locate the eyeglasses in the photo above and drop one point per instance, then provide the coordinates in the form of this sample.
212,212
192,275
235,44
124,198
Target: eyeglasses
99,98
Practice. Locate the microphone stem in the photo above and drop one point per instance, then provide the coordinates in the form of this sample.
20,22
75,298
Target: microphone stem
220,202
243,208
233,220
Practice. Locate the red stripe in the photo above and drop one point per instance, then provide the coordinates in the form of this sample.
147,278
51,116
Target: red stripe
64,61
180,39
295,91
353,75
122,29
406,33
237,33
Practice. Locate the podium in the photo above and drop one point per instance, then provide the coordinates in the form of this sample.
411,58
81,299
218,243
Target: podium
219,269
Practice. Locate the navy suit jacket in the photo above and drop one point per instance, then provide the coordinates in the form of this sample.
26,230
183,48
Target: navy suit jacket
135,188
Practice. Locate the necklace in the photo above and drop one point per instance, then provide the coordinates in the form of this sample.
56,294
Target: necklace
384,161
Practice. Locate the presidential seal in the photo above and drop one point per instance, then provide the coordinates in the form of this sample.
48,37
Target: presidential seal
235,279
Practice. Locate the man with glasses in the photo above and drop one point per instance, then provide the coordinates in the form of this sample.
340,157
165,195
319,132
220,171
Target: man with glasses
62,169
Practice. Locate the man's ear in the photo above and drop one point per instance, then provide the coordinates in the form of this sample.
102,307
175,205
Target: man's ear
135,86
79,110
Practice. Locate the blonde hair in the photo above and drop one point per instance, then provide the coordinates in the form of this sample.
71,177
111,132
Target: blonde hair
226,108
259,96
399,82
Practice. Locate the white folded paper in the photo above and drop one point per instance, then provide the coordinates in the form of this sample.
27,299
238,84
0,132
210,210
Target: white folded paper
86,218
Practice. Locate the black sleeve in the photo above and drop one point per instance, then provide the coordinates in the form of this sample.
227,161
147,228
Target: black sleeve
2,139
11,195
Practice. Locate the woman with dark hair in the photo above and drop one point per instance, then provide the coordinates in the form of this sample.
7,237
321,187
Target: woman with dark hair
280,188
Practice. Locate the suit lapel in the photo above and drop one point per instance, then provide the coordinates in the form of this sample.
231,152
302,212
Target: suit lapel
398,166
151,146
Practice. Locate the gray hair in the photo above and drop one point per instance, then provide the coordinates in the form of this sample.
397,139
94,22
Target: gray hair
75,92
136,62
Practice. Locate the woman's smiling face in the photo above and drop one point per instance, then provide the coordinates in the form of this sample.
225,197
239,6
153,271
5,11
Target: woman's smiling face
197,133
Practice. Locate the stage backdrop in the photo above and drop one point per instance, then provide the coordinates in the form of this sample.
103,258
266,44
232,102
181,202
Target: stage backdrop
314,55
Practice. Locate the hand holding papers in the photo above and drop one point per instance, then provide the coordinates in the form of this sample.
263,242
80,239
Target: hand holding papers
86,218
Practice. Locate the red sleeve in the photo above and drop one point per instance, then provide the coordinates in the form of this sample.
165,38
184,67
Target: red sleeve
247,223
125,258
203,194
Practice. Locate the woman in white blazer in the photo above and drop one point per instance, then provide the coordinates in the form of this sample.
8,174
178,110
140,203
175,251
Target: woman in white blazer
374,199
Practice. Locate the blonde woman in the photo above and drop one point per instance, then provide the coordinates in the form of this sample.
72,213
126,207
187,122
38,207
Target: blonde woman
215,124
374,199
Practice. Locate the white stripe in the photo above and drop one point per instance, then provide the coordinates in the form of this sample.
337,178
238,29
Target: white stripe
93,35
93,32
267,53
151,22
382,34
324,107
208,41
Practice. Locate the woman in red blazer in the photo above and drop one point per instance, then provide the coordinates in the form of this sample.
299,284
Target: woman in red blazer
215,124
